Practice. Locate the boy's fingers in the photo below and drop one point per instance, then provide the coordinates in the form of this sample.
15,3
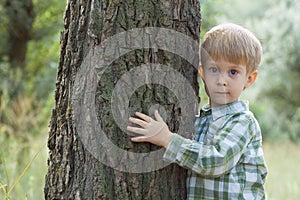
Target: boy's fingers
138,122
136,130
143,116
139,139
157,116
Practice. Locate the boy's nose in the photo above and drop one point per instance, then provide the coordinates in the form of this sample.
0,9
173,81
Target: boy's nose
222,80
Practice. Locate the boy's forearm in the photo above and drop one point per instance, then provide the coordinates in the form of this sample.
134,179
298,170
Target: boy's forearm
197,157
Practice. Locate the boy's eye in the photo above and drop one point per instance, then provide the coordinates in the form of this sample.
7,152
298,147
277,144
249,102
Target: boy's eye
213,69
233,72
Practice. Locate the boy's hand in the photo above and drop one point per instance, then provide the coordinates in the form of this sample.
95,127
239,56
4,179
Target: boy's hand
153,131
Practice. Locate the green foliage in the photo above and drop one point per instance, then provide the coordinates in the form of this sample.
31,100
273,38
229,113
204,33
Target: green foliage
43,50
281,66
26,100
284,90
23,122
3,32
209,11
12,81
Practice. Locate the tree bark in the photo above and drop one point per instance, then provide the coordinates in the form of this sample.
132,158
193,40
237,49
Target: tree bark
73,171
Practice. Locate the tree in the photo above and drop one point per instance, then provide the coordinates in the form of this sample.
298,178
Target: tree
21,16
85,166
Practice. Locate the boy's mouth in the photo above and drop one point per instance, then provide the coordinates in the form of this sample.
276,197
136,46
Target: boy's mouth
222,92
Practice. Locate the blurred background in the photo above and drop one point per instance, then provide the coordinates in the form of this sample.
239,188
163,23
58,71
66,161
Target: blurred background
28,74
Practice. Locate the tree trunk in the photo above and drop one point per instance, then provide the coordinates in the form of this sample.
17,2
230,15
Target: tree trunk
107,71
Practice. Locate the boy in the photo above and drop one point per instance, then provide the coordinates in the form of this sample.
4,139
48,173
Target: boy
225,159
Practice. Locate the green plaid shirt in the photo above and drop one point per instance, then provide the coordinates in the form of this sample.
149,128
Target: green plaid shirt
225,160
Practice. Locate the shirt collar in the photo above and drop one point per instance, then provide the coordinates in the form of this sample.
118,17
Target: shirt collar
205,111
228,109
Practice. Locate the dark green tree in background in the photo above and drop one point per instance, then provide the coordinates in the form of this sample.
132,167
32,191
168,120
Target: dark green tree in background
29,54
20,14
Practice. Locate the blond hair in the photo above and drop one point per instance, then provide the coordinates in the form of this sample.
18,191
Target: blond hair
232,43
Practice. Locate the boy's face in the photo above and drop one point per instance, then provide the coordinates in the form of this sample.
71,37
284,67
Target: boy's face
224,81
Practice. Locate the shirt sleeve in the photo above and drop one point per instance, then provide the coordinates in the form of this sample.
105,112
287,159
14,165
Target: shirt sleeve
216,158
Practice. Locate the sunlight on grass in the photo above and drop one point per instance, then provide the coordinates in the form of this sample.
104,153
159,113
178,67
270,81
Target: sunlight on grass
283,181
25,181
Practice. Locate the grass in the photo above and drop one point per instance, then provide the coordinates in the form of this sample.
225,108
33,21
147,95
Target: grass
283,160
25,181
23,149
283,181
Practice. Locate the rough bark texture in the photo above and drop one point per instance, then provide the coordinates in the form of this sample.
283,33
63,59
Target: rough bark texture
73,173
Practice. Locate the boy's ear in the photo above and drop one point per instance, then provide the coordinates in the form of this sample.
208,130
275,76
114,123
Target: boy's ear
251,79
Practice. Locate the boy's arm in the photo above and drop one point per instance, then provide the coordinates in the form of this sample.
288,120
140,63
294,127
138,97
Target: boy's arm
223,153
215,159
153,131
